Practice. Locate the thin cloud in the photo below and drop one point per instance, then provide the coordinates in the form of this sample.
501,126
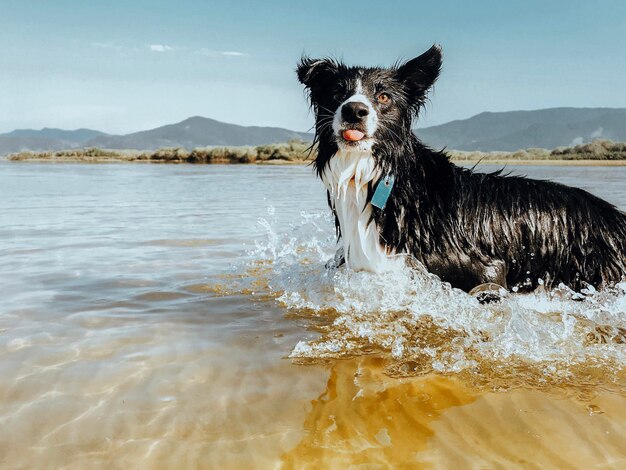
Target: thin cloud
212,53
233,53
160,48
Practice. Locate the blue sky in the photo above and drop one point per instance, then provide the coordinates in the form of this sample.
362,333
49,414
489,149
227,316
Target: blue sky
123,66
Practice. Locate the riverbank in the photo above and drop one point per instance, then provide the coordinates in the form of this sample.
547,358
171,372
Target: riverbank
597,153
290,152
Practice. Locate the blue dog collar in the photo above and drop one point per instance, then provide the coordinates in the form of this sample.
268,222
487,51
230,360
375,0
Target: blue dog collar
383,191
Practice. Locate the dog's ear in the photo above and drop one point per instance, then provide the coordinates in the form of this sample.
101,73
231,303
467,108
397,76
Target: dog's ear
419,74
312,72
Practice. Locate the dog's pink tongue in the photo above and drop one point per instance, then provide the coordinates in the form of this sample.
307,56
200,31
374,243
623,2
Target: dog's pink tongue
353,135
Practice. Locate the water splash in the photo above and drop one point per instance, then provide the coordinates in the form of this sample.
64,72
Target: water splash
421,324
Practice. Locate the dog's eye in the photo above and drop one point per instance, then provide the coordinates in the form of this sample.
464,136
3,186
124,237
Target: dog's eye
384,98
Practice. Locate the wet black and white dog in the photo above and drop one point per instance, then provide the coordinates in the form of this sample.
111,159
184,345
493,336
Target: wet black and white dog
392,195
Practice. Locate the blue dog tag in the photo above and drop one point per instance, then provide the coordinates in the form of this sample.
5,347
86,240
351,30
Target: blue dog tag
383,191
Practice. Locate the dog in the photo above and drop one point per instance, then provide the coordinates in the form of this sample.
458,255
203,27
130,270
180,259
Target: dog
393,197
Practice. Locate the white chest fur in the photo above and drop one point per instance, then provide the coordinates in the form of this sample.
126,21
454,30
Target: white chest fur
346,177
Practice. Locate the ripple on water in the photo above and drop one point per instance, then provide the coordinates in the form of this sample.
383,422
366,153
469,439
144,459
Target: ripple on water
102,368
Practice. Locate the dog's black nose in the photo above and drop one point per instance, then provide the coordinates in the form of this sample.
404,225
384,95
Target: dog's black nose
354,111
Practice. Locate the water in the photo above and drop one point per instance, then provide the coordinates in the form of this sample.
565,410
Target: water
158,316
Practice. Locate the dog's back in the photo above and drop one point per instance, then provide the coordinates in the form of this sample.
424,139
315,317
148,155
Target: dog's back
471,228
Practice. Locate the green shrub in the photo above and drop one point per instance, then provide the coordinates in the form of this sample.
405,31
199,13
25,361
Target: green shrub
298,151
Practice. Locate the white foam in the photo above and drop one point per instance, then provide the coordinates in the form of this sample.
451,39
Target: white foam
397,312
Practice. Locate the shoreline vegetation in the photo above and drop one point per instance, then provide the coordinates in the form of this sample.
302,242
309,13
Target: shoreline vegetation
598,152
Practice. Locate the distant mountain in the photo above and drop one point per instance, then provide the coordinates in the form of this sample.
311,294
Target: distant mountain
45,139
191,133
514,130
197,132
10,144
77,136
506,131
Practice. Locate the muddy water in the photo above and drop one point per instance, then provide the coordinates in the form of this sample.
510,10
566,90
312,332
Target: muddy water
181,317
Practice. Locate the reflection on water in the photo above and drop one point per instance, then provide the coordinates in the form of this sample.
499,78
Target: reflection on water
139,327
365,417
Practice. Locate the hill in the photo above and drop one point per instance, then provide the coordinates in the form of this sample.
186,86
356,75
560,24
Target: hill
191,133
45,139
78,136
514,130
198,132
486,132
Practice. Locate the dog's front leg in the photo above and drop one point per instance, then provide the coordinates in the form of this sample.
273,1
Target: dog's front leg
495,272
493,287
338,260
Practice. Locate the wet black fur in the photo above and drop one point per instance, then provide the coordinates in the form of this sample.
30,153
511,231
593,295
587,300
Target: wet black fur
467,227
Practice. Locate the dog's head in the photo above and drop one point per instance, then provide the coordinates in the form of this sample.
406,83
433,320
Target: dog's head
358,108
